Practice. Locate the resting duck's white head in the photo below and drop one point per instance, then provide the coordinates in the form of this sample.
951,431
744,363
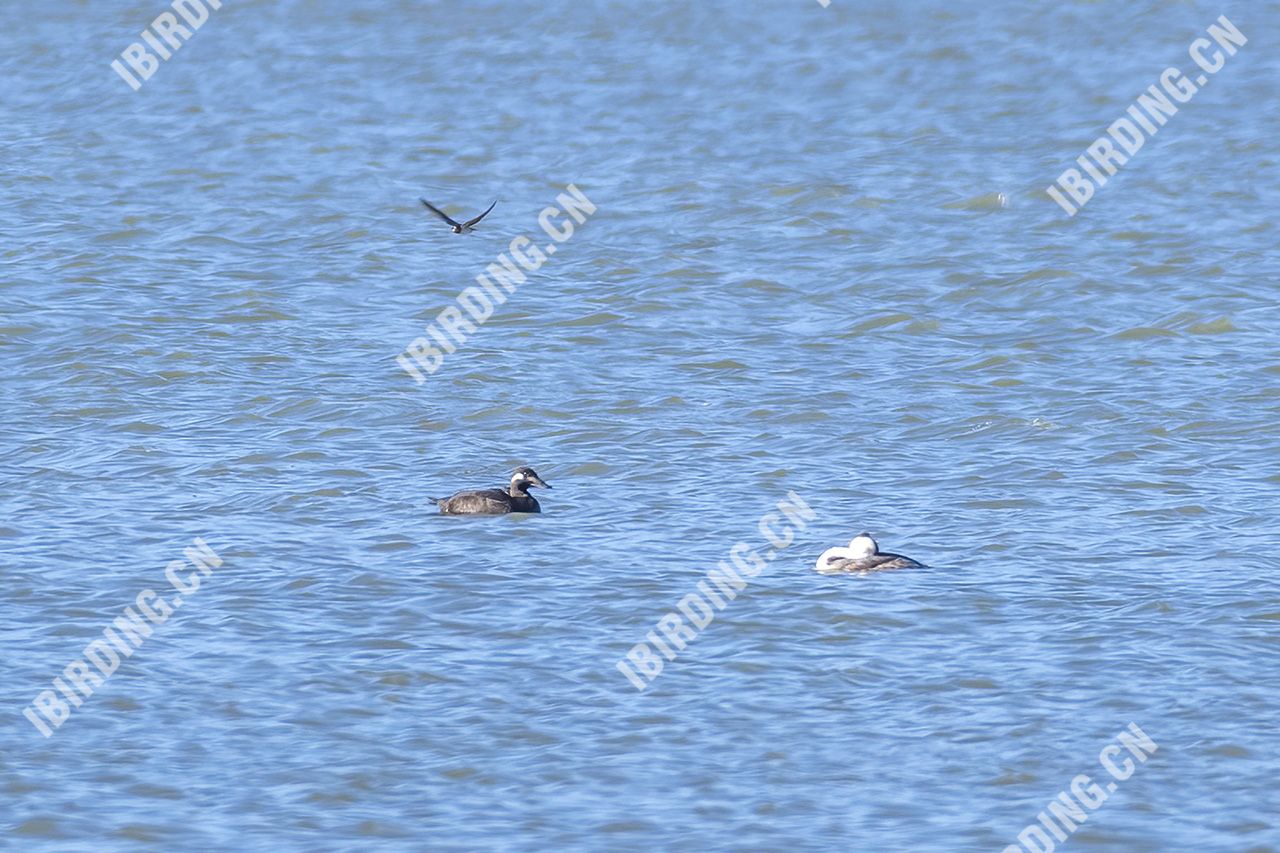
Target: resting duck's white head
860,547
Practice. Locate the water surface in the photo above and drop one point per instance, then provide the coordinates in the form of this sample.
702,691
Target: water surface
822,262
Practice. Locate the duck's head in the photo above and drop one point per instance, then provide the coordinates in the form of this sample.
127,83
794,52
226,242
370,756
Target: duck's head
525,477
863,545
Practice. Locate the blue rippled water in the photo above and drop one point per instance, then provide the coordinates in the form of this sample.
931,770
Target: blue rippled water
822,261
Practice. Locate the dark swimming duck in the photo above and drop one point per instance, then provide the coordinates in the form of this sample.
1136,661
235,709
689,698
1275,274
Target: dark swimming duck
495,501
862,555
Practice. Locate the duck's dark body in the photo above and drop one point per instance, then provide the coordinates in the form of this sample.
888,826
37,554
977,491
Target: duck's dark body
488,502
874,562
515,498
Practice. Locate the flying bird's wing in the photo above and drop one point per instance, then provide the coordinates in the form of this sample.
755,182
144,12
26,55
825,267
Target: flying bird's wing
438,212
471,222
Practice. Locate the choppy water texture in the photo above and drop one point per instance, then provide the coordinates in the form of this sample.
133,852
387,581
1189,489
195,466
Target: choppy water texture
822,261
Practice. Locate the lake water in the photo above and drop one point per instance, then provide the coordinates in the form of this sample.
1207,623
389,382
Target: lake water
822,261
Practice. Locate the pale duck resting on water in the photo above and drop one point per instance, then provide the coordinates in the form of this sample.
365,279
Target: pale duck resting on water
516,498
862,555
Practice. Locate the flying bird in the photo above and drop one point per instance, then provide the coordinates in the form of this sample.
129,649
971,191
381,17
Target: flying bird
457,227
